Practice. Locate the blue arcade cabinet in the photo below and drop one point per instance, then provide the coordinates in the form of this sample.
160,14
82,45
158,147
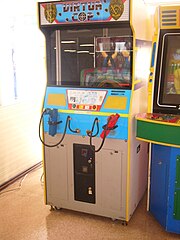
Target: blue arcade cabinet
93,162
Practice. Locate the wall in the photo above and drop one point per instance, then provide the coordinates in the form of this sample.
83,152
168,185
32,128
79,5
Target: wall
20,147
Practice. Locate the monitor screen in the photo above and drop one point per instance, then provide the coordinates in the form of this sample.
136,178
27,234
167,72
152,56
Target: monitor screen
96,58
169,77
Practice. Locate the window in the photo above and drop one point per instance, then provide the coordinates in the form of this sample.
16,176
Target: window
22,52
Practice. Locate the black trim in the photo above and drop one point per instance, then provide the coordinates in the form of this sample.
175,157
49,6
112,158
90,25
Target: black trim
47,28
168,16
77,86
169,20
84,25
169,11
169,24
157,108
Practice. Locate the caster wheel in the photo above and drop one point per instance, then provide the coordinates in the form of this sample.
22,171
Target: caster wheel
57,208
124,223
52,208
113,219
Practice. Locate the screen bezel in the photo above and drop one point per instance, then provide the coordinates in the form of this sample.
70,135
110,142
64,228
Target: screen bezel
168,102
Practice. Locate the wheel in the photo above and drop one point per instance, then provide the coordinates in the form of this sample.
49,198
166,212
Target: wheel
57,208
124,223
52,208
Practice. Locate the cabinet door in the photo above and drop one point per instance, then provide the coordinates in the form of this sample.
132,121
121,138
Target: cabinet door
177,190
56,174
112,180
159,182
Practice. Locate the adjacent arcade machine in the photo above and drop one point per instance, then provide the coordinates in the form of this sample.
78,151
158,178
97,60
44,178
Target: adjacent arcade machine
97,62
161,126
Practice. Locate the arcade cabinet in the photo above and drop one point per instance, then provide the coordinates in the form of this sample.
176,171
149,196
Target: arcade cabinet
97,65
161,125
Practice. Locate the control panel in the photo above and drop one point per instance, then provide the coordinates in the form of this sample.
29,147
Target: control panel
168,118
159,128
89,100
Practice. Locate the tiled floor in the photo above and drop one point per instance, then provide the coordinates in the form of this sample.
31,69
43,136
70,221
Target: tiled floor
23,216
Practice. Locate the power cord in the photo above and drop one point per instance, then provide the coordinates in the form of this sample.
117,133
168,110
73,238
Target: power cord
17,188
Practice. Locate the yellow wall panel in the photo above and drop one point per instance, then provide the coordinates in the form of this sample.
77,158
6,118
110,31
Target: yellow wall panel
116,102
56,99
170,17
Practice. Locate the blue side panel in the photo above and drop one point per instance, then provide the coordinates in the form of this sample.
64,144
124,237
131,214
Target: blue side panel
83,120
153,54
162,188
173,225
159,182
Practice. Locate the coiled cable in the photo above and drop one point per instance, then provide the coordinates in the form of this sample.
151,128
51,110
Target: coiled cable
64,133
90,134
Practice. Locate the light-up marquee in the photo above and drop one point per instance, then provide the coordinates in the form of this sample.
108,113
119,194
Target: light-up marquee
84,11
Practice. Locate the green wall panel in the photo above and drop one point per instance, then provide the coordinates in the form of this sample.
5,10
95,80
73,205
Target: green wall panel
162,133
178,171
177,205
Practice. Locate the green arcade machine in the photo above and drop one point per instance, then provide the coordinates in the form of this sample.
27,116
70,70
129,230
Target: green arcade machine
161,125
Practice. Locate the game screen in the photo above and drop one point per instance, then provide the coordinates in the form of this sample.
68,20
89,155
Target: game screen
90,60
171,69
112,63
